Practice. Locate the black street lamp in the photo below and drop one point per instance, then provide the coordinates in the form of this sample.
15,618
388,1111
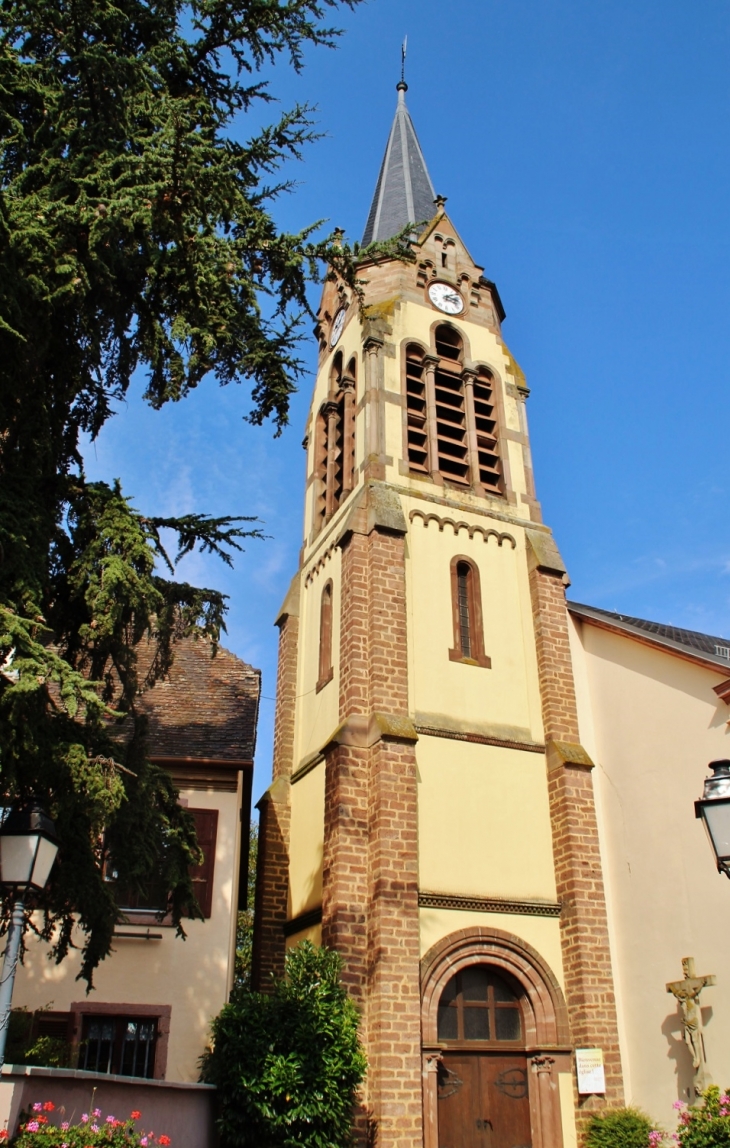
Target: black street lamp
28,848
714,809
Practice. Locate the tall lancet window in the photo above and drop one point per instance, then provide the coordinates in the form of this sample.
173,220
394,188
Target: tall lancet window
326,669
451,428
417,409
466,609
335,441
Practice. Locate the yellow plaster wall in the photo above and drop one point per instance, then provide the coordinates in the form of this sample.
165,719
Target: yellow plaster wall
543,933
483,821
651,722
306,842
507,694
567,1109
192,976
313,934
317,713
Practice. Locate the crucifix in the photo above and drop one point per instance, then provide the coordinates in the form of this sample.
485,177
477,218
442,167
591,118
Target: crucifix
687,992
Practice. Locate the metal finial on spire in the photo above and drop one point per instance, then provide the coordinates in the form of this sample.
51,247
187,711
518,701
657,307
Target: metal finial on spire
403,60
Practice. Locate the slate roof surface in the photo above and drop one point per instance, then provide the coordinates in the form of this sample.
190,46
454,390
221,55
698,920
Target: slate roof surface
404,192
705,644
208,707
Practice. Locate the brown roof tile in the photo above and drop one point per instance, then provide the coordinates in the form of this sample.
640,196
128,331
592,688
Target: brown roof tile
206,709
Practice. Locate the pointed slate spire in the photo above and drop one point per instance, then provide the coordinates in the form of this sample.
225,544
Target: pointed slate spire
404,192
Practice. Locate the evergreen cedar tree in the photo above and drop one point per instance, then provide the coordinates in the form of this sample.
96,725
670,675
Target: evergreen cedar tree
287,1064
135,235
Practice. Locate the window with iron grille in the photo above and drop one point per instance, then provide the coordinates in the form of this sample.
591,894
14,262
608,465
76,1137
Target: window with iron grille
119,1045
466,605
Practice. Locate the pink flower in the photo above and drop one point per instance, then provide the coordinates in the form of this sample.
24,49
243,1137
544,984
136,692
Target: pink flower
94,1127
37,1107
64,1145
85,1118
64,1126
32,1125
655,1138
679,1104
144,1142
111,1120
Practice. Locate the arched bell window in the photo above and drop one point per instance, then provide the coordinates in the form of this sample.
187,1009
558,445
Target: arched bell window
480,1005
451,422
466,608
335,441
326,669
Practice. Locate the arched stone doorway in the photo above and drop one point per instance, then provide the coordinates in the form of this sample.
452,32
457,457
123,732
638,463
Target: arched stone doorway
495,1035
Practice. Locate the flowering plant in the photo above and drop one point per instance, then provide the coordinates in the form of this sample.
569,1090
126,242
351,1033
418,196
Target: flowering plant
39,1129
708,1124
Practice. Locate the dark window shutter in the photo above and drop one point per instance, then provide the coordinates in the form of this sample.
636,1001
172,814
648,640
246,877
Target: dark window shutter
206,827
56,1025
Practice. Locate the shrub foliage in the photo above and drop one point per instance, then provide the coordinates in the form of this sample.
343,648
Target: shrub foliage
620,1128
287,1064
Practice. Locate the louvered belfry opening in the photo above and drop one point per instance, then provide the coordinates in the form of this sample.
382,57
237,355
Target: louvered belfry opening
451,423
486,427
417,409
451,430
335,441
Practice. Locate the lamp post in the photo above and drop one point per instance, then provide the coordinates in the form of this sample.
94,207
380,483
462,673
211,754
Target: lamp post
28,848
714,809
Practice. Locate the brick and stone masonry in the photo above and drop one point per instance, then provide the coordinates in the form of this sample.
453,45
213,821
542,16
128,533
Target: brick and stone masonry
578,872
370,875
272,875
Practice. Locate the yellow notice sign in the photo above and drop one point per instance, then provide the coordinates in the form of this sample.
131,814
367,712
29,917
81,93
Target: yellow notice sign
589,1066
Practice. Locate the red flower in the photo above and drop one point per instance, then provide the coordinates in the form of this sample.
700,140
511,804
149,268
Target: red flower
4,1134
164,1140
136,1114
42,1119
49,1106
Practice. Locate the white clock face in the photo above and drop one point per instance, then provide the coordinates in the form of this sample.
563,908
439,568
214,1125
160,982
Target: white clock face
338,324
446,298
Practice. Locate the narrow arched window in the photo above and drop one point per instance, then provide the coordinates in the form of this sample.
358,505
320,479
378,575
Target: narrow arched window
490,475
416,409
466,622
325,638
466,606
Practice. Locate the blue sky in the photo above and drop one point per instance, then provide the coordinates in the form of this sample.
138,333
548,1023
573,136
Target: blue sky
584,152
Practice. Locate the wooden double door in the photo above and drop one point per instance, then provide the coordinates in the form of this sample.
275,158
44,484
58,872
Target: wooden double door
483,1100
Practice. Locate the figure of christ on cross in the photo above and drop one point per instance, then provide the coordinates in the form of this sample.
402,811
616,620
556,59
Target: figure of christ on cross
687,992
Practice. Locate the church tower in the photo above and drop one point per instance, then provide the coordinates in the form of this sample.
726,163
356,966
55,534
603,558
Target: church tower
432,814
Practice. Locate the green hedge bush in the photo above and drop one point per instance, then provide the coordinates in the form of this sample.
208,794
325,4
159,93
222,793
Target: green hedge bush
287,1065
622,1128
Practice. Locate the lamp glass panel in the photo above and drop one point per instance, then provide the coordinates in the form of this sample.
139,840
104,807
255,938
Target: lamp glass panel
45,857
17,853
717,820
